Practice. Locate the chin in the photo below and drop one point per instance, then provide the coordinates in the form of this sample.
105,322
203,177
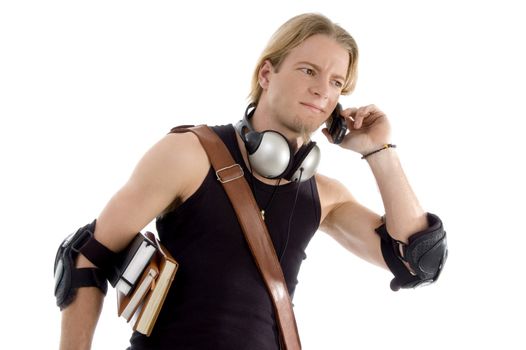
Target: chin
302,125
306,131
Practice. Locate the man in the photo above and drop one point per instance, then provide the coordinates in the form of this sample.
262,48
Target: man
218,300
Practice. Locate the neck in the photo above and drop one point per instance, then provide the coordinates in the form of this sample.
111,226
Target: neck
265,119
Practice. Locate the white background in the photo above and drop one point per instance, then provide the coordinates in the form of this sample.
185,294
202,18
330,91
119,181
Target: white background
87,87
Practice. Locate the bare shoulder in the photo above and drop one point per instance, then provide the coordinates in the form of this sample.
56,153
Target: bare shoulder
332,194
181,148
178,160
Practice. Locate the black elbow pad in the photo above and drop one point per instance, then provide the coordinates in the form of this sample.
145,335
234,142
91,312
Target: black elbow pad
426,254
68,278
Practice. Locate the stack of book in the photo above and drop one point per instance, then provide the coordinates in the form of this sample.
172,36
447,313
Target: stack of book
132,262
148,272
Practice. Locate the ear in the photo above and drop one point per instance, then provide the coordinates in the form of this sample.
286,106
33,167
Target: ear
265,71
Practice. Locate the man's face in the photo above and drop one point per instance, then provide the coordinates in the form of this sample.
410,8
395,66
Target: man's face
305,90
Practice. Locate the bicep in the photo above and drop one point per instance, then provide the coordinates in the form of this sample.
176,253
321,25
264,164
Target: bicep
161,176
352,225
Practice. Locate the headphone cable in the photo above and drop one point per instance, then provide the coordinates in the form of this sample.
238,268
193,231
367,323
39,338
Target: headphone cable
291,215
276,186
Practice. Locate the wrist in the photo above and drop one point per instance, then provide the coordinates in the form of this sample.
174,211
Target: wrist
377,149
382,159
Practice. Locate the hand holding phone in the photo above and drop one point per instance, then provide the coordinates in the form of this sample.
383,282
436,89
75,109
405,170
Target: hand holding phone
336,125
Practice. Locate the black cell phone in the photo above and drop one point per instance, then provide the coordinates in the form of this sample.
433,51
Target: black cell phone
336,125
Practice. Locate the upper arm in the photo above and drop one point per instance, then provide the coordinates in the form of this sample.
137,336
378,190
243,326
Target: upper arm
348,222
164,174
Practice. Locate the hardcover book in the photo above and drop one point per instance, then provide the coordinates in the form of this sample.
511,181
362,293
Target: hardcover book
133,260
128,304
149,295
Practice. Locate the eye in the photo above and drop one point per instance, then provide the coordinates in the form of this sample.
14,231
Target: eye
308,71
337,83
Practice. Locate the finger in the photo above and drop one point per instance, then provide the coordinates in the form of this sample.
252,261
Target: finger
349,112
349,121
325,132
363,113
373,112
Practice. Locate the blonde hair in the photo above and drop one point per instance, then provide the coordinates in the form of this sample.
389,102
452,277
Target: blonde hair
294,32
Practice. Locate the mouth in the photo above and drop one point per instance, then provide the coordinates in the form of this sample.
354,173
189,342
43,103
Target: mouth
313,107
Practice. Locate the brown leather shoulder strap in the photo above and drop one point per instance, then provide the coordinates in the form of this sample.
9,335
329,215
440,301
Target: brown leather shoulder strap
230,174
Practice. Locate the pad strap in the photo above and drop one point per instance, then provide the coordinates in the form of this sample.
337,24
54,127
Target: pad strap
426,254
96,252
89,277
403,278
68,278
102,257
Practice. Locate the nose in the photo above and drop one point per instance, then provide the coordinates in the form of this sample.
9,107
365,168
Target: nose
320,88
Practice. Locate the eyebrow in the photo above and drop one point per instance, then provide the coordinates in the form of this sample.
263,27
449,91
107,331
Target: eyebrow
319,69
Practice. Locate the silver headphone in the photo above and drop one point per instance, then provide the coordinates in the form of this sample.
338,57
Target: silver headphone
271,155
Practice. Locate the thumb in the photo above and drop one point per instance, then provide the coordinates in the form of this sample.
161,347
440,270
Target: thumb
325,132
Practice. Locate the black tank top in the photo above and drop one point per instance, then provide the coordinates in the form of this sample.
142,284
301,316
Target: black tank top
218,299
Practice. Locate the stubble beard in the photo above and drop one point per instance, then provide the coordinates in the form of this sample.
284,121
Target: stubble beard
304,131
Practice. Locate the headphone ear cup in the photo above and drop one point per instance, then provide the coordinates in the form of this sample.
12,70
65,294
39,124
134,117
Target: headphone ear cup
304,164
272,155
252,141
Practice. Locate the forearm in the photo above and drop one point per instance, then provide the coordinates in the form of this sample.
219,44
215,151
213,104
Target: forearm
404,215
79,319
